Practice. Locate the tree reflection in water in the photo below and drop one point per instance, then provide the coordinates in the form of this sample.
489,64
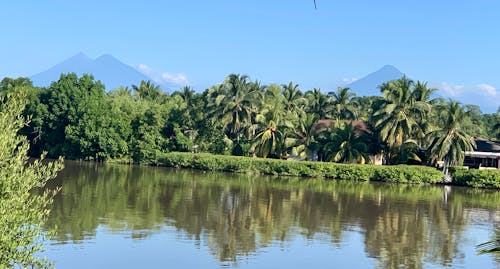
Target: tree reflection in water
236,215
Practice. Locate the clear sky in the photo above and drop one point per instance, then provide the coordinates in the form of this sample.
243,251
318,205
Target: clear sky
452,44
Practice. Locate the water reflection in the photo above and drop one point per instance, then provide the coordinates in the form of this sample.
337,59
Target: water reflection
236,215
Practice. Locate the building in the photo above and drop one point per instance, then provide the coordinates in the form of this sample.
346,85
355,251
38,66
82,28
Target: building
486,155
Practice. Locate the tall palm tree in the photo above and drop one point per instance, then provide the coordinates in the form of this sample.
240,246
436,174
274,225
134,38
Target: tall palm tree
396,115
342,107
232,103
317,103
449,143
422,93
294,101
273,128
347,145
304,142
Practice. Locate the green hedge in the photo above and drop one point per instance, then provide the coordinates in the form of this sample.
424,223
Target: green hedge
477,178
398,174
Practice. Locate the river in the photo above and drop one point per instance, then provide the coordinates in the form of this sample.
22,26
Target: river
112,216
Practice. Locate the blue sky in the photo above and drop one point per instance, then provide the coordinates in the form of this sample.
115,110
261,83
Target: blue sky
453,45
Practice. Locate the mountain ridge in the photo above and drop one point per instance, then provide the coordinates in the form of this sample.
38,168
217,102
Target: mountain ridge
109,70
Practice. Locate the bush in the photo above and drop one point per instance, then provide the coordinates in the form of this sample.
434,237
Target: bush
408,174
23,207
477,178
204,161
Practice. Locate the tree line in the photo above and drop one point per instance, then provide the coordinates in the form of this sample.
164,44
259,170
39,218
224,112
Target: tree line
75,117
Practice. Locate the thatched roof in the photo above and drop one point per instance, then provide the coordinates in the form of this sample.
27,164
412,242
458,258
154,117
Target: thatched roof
485,145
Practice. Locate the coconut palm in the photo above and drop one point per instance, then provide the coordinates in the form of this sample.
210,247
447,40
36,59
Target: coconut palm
397,114
294,101
187,94
347,145
342,107
317,103
232,103
449,143
147,90
273,129
303,142
120,91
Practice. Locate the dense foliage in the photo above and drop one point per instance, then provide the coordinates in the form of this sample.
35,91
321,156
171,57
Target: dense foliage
386,173
75,117
478,178
22,212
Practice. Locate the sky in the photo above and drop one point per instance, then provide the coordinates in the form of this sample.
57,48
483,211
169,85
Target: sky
454,45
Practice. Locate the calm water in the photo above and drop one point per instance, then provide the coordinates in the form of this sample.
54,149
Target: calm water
144,217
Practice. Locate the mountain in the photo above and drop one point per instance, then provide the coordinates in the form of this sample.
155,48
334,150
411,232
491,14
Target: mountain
106,68
368,85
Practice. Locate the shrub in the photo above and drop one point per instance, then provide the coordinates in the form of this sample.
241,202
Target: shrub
477,178
204,161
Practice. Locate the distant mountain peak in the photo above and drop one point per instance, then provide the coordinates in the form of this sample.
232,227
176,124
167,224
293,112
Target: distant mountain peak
106,57
106,68
79,55
368,85
389,67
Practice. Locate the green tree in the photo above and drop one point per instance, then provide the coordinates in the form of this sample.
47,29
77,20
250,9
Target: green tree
347,145
22,212
147,90
148,134
318,103
450,142
397,115
423,95
273,128
8,84
233,103
343,108
294,101
79,123
304,141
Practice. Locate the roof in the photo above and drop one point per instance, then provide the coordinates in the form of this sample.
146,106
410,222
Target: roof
328,124
485,145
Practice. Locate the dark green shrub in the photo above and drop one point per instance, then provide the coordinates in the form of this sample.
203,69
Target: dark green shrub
477,178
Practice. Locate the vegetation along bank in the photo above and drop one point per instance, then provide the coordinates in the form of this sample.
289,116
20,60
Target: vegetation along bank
412,174
78,118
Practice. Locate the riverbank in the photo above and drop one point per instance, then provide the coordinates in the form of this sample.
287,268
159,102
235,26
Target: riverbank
410,174
383,173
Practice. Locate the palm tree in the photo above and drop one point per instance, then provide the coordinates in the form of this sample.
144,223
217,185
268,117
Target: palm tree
120,91
147,90
397,115
187,94
274,129
449,143
232,103
317,103
342,107
347,145
304,141
422,93
294,101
